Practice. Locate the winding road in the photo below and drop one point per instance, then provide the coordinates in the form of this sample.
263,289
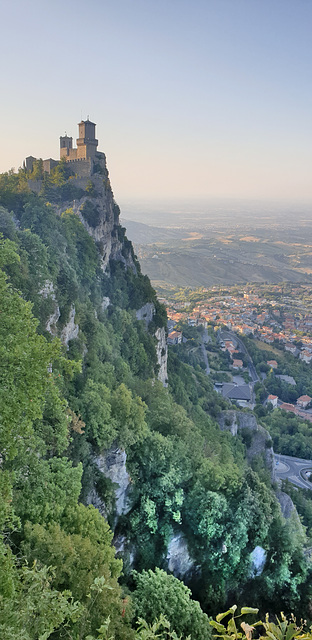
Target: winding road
228,335
292,468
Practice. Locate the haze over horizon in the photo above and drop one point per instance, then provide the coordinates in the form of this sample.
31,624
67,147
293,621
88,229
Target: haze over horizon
204,100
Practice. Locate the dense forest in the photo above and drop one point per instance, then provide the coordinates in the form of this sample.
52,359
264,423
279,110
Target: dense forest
79,382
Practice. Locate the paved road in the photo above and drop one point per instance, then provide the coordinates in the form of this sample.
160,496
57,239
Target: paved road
292,468
228,335
204,352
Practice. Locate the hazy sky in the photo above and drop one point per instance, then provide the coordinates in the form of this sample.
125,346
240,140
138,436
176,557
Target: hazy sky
191,97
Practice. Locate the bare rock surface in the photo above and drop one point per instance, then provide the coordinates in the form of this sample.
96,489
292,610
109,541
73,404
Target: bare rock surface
258,559
105,228
162,355
47,291
105,303
146,313
71,329
235,421
286,504
179,560
112,464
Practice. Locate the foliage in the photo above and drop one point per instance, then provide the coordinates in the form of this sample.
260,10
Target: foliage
238,629
68,407
32,609
290,435
157,593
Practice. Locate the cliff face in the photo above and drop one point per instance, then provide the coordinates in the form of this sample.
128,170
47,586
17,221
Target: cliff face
259,442
99,214
97,210
146,313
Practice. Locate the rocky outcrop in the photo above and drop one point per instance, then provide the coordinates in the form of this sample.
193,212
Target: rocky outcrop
146,313
286,504
105,303
257,561
162,355
112,464
99,214
126,550
259,441
71,329
47,291
179,561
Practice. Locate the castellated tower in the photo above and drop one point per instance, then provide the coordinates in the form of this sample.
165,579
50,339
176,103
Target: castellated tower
83,158
86,143
66,146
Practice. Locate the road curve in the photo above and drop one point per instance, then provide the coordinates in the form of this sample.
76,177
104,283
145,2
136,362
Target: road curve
229,335
291,468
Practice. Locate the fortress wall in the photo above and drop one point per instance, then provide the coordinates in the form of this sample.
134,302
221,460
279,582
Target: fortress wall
72,154
83,168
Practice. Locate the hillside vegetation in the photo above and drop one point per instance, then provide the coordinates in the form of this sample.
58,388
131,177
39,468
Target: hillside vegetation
79,381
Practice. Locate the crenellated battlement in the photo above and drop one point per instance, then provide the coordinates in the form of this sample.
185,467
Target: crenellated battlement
86,143
85,154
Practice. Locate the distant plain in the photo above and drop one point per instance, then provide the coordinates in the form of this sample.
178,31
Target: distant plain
221,243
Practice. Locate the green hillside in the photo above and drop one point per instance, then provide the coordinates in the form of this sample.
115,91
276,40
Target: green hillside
79,386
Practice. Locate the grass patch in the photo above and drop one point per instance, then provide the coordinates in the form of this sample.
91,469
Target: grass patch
263,346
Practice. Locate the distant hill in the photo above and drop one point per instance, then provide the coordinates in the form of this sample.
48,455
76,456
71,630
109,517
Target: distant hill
140,233
228,255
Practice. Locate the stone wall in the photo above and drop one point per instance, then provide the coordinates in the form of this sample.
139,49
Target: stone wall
83,168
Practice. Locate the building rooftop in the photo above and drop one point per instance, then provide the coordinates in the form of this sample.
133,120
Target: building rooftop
235,392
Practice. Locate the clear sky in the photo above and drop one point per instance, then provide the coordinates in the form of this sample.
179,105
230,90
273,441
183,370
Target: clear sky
192,98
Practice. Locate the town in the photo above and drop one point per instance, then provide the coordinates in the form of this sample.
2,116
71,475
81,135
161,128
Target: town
262,330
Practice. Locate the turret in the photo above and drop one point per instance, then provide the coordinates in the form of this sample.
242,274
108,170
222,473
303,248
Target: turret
87,142
66,143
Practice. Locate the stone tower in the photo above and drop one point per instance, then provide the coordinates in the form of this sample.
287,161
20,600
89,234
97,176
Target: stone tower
86,143
66,144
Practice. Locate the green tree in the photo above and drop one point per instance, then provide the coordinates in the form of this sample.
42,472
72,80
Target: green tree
81,553
158,593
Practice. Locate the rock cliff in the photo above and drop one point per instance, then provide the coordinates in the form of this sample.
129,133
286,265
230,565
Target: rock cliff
112,464
146,313
259,442
99,214
179,560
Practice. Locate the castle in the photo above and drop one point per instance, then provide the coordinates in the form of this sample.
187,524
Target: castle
83,156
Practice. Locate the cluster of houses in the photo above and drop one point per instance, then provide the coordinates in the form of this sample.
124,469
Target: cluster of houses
298,409
229,346
175,337
249,313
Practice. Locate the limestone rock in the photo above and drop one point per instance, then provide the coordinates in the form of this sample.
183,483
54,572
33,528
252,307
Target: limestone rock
112,464
126,550
180,563
286,504
52,321
105,230
105,303
162,355
258,559
71,330
47,291
235,421
146,313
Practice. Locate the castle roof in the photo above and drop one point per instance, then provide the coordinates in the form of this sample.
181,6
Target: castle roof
85,122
